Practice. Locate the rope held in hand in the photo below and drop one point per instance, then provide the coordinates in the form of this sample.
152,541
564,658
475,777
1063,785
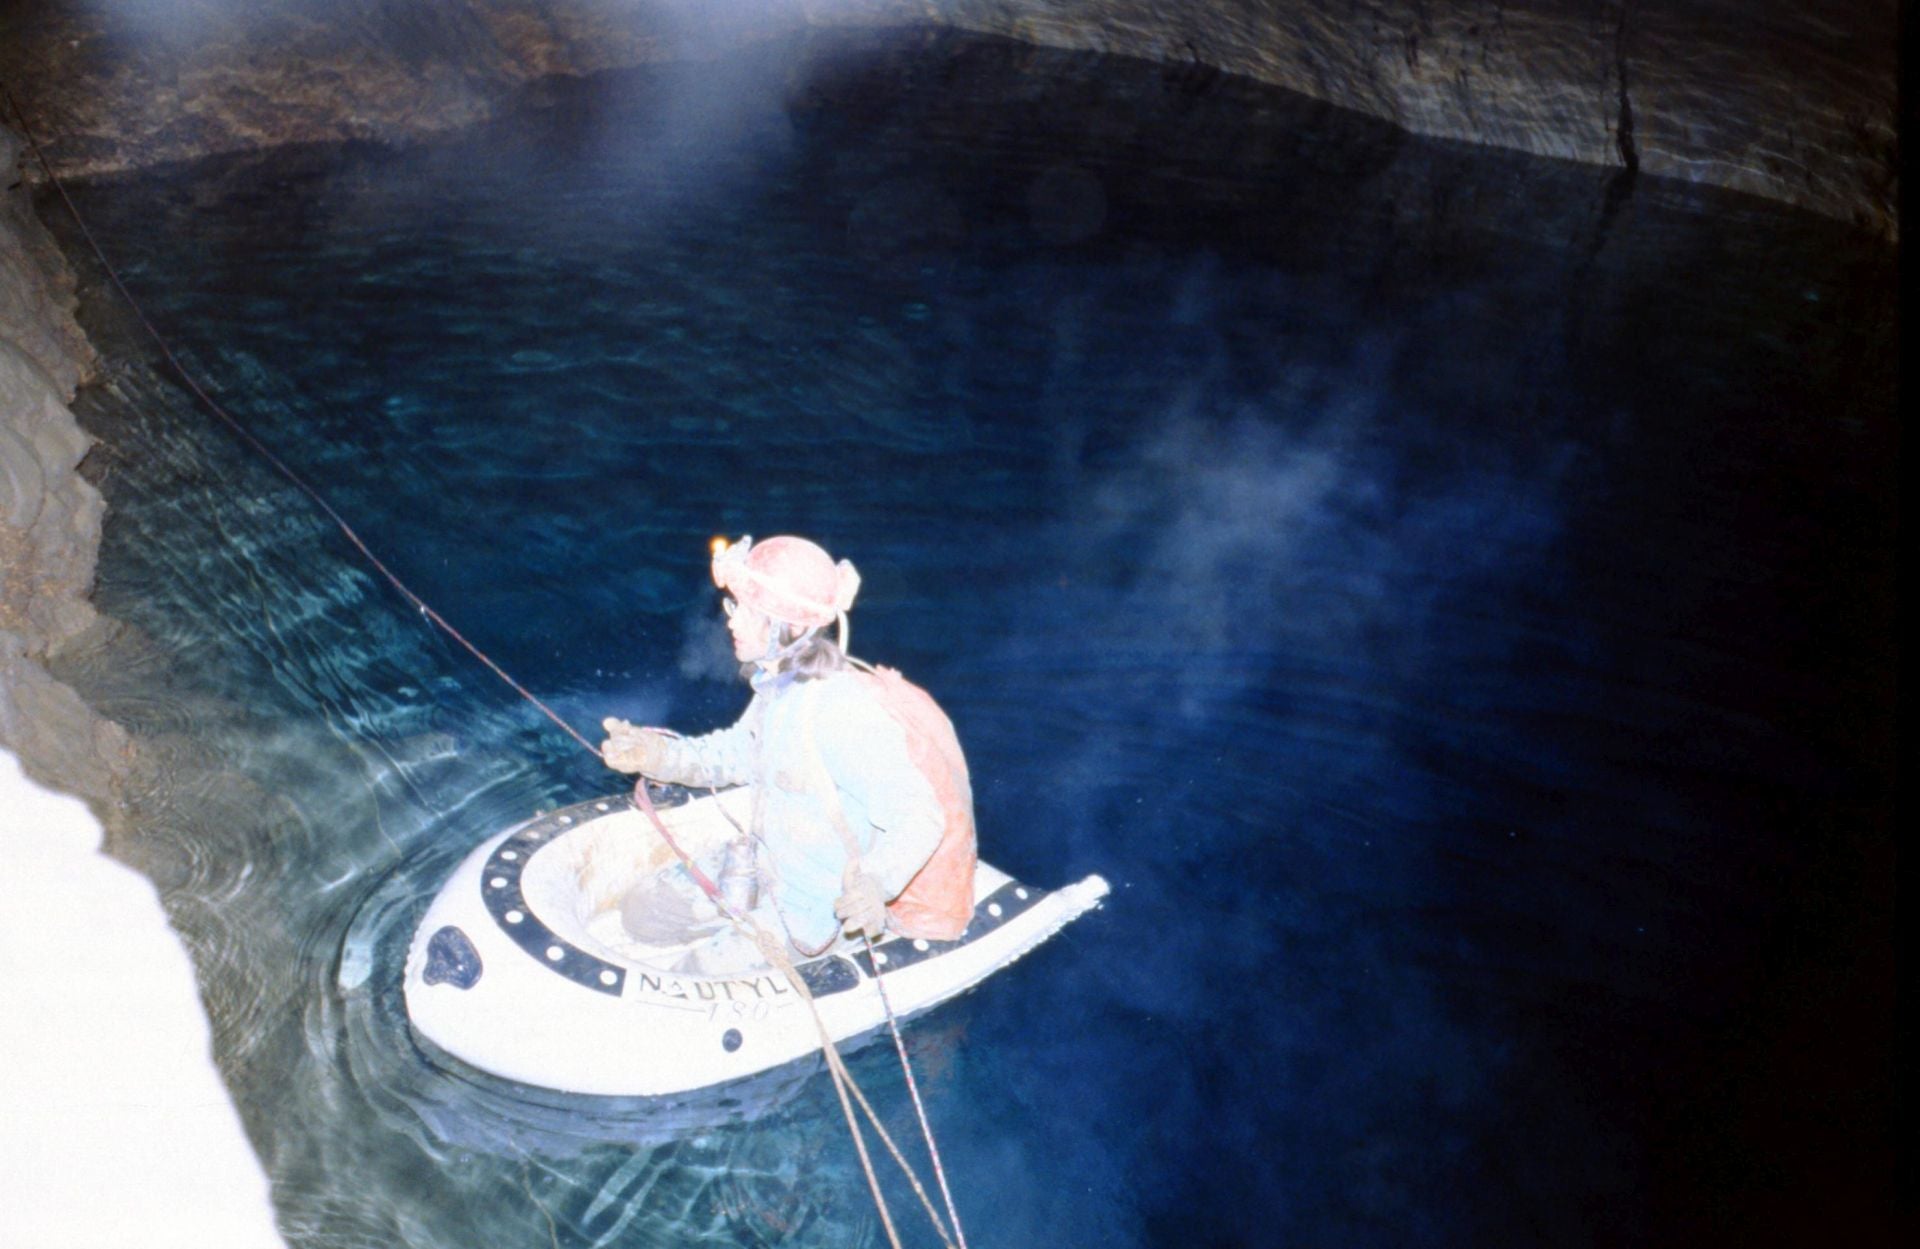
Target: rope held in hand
844,1084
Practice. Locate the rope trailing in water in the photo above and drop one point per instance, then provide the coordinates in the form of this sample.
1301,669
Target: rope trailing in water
838,816
919,1108
844,1083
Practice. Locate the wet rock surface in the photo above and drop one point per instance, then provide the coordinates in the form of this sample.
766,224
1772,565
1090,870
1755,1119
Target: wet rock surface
49,517
1792,102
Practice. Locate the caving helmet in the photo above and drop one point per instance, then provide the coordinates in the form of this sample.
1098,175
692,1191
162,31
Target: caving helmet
787,579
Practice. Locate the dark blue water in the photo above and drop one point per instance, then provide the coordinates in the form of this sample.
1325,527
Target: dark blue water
1449,595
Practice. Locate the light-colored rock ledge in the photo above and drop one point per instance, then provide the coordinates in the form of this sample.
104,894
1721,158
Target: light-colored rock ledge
117,1130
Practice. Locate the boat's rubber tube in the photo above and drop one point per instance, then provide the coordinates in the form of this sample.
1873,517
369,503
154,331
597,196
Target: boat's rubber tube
504,972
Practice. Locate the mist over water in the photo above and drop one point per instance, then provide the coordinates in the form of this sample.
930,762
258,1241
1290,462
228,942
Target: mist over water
1454,610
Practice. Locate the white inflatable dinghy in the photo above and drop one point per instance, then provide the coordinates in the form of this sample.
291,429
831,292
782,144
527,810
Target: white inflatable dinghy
523,967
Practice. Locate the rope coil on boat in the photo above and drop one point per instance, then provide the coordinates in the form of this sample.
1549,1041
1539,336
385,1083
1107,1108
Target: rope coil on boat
847,1089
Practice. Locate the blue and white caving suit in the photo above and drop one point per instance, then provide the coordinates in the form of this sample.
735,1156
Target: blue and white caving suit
889,805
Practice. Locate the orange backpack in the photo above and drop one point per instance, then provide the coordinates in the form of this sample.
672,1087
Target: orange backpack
938,901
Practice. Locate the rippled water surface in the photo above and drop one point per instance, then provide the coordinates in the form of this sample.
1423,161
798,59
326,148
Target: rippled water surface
1449,595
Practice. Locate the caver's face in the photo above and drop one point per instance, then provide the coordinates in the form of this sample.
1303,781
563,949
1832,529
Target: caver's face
752,631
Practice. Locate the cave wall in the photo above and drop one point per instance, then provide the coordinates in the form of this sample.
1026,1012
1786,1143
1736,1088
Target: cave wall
49,517
1787,100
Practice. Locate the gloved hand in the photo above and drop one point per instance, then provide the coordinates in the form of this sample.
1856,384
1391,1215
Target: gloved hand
628,749
862,906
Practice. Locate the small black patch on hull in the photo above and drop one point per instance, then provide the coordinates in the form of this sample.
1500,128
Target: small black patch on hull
451,959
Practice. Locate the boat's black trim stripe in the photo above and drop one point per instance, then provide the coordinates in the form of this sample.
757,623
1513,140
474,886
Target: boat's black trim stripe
997,908
836,973
500,890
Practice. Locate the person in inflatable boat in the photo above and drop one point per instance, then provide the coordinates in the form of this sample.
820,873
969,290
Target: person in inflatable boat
862,814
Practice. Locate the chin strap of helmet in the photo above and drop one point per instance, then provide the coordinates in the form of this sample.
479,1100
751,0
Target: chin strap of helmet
778,654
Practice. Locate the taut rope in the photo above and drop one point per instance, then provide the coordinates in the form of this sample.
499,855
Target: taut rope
843,1081
241,431
844,1085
